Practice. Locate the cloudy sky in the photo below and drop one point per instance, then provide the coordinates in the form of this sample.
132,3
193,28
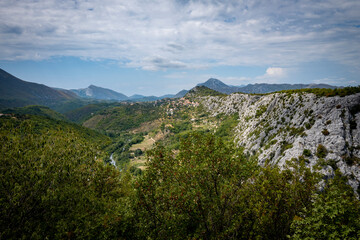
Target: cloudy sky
154,47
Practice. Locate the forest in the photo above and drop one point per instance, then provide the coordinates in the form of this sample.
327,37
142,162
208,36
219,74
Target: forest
57,180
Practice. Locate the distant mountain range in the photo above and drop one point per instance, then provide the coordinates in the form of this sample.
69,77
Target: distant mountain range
259,88
94,92
15,92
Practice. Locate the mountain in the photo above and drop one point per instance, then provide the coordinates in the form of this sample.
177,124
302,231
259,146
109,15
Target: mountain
15,92
136,96
268,88
99,93
217,85
181,94
258,88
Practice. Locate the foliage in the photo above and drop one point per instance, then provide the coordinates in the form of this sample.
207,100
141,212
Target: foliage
227,125
325,92
210,191
321,151
83,113
334,214
52,186
36,110
194,193
307,153
200,91
124,117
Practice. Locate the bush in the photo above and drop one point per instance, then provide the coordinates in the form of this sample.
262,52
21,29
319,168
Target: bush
307,153
321,151
325,132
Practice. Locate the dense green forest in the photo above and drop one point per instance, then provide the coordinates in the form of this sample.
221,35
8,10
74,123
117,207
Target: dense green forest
56,180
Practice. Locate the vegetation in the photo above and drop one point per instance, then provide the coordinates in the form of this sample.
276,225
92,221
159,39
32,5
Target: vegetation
52,186
56,183
307,153
325,132
201,91
334,214
36,110
321,151
326,92
123,117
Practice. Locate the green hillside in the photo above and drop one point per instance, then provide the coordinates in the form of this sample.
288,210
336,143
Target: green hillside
36,110
123,117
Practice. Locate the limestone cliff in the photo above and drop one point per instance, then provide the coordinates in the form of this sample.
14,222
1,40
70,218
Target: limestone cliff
280,126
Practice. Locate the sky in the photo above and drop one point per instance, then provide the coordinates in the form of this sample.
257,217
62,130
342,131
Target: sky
157,47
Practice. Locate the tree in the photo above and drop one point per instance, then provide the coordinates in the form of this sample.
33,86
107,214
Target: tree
53,184
334,213
195,193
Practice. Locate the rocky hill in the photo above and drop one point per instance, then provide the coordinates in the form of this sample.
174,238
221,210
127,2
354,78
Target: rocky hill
281,126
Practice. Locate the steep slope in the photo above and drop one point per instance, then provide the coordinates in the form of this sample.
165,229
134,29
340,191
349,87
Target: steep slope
99,93
281,126
15,92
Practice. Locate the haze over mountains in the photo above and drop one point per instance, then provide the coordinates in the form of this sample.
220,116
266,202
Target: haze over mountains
15,92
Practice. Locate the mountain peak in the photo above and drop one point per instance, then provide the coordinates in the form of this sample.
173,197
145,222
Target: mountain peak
214,81
217,85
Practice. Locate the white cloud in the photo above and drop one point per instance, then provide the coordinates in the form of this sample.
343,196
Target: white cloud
186,34
275,72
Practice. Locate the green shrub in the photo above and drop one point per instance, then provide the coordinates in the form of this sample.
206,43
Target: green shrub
321,151
307,153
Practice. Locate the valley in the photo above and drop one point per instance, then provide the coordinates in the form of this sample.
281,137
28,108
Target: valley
206,165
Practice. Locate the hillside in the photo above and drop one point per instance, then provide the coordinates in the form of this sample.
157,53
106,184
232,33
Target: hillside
202,91
15,92
122,117
281,126
36,110
99,93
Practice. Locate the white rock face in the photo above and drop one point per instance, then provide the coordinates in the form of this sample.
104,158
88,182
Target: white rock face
280,126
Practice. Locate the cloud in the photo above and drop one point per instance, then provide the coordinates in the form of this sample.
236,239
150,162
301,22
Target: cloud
159,63
275,72
186,34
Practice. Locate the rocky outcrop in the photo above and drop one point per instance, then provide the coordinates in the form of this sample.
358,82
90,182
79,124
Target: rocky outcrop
281,126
